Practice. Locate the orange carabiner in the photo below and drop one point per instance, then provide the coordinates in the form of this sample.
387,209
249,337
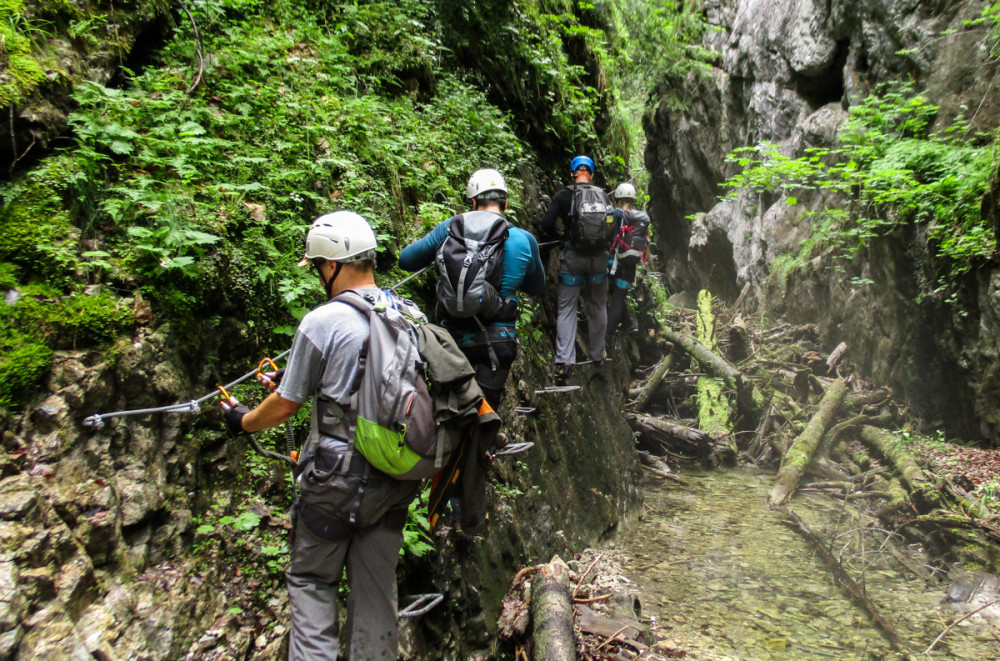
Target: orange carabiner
224,395
260,366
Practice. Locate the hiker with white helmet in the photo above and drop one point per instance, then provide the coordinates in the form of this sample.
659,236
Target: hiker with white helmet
350,514
585,211
629,247
483,261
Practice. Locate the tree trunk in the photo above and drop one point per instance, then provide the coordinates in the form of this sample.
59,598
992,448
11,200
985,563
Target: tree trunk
804,447
552,613
669,436
850,584
654,382
750,400
881,441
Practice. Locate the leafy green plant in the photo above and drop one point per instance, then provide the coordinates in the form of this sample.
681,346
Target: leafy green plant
891,170
22,72
416,531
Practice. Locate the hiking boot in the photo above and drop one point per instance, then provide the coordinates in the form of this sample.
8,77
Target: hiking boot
562,373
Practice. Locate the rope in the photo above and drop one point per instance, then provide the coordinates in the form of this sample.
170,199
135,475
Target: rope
271,455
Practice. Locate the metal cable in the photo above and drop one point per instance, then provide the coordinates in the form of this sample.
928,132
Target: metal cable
408,278
421,605
96,421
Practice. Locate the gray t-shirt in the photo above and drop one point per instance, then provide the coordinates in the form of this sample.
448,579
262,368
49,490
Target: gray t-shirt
325,352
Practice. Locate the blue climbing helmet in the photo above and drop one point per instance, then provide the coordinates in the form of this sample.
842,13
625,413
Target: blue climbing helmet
581,161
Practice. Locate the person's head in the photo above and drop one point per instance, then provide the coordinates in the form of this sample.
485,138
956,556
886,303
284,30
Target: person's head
487,191
624,196
341,246
581,168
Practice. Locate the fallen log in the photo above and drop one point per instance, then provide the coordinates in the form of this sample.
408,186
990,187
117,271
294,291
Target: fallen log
836,355
913,476
855,590
665,436
552,613
754,451
825,469
859,401
749,398
803,448
654,382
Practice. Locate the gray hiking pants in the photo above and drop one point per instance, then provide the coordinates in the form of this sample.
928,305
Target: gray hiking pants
313,578
582,271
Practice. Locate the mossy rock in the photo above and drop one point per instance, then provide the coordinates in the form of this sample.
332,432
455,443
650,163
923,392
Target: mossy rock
22,371
36,231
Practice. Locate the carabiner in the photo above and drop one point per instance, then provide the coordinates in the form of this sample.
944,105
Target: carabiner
224,395
260,366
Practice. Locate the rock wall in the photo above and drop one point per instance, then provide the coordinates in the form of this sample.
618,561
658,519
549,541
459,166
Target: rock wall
74,40
113,543
786,73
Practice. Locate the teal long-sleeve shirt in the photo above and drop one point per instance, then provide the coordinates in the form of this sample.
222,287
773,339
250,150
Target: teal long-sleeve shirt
522,264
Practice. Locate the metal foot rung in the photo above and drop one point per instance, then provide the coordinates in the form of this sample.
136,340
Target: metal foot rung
556,389
524,410
514,448
421,605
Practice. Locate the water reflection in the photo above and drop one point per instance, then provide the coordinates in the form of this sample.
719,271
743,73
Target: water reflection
722,578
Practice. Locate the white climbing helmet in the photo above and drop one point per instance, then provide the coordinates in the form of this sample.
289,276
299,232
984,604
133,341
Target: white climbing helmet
625,192
484,181
341,236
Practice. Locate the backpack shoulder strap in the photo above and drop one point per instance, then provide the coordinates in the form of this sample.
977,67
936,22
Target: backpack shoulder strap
359,302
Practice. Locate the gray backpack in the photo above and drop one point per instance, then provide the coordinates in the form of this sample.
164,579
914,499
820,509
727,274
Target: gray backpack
470,266
590,218
415,392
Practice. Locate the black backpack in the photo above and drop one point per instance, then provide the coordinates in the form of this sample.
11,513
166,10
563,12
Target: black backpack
589,218
470,266
631,243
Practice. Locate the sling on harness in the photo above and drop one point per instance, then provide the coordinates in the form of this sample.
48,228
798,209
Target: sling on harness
631,243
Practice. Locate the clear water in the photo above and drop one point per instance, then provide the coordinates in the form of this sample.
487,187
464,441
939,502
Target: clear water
720,577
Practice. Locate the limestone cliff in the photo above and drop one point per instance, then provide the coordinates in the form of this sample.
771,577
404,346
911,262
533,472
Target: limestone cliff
786,73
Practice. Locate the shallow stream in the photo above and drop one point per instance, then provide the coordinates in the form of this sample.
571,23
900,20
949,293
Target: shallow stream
720,577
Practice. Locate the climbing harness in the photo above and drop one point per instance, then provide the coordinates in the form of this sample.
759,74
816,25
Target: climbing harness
421,605
96,421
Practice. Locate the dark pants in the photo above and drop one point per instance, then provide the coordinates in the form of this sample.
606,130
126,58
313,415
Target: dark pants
619,284
491,380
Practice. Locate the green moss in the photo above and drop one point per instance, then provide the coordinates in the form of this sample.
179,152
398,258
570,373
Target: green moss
714,411
21,72
89,320
22,371
36,232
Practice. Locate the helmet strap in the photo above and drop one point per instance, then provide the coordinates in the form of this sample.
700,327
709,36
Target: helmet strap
328,284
